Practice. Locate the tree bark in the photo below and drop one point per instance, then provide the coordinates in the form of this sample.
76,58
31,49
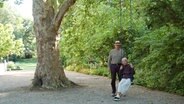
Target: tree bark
49,73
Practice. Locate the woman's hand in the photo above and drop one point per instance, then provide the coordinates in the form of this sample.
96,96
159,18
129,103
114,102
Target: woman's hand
131,65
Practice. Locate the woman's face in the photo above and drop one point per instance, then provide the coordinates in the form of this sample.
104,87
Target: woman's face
124,62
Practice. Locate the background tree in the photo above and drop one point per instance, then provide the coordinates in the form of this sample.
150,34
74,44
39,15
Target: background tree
25,32
21,31
8,44
9,21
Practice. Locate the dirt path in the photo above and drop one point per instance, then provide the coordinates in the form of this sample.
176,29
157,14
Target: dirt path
96,90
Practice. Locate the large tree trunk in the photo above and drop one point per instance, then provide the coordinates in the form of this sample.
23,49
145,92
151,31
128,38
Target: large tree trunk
49,73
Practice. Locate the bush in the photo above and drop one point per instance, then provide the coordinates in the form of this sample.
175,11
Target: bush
101,71
11,65
70,68
159,59
85,71
177,84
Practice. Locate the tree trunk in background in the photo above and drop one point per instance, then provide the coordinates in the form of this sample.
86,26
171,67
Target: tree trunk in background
49,73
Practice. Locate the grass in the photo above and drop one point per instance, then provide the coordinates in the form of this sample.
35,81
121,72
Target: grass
26,64
30,64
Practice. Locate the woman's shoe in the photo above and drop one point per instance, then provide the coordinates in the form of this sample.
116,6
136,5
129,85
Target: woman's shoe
116,98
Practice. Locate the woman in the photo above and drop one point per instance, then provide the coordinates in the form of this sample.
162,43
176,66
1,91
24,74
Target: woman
126,73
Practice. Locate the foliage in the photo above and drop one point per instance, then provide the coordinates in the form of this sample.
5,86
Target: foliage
102,71
151,33
21,32
158,53
2,3
11,65
162,64
89,31
161,12
25,32
7,43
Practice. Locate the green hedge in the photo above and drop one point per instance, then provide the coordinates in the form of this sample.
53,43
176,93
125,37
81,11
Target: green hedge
101,71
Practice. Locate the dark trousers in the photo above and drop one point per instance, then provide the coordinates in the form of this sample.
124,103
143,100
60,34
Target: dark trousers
114,72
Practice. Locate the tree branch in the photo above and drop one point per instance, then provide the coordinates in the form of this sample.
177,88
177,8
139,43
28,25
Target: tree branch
62,10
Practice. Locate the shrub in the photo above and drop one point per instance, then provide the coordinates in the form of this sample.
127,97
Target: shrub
70,68
177,84
11,65
102,71
159,59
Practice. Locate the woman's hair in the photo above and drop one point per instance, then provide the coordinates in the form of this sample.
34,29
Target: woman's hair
124,59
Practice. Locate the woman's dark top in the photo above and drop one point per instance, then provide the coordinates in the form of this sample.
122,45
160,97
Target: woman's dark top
126,71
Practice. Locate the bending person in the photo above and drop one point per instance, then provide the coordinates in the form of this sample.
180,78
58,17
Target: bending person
126,73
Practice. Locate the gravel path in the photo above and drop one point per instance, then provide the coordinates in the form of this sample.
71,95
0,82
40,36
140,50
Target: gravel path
14,89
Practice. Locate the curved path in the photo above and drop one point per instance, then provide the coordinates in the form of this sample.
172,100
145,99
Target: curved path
14,89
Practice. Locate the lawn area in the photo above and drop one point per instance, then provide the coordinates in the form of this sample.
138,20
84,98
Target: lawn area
26,64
